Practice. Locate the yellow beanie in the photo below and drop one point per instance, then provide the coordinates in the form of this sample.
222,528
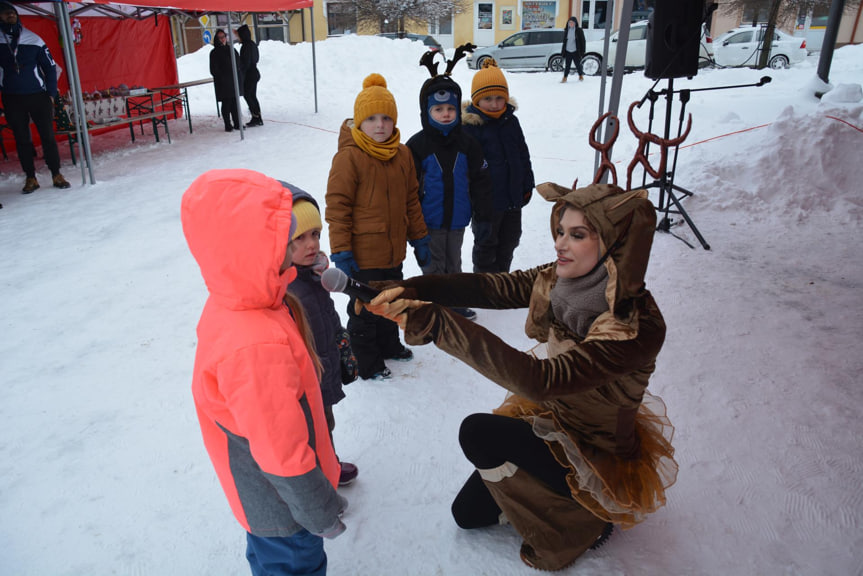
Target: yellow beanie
374,99
308,217
488,82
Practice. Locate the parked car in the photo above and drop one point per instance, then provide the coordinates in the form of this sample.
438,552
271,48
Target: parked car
742,47
429,41
527,49
636,50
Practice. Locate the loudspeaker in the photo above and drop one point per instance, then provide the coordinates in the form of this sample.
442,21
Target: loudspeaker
674,39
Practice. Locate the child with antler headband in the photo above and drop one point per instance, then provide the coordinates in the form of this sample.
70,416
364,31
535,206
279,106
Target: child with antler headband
454,182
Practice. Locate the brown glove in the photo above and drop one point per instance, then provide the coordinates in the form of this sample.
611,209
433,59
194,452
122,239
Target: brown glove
390,306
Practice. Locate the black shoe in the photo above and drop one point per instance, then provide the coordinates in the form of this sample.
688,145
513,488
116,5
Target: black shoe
255,122
466,312
229,129
403,355
384,374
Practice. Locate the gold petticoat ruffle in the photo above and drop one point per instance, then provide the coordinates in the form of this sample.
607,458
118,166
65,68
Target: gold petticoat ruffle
614,489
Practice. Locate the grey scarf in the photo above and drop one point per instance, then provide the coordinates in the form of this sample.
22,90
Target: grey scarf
578,301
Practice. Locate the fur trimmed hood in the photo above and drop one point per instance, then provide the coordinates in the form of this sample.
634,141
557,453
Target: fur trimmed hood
471,115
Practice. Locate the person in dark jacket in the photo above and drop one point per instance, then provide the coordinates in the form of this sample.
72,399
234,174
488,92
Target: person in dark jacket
251,75
223,79
490,119
324,321
28,81
454,181
572,48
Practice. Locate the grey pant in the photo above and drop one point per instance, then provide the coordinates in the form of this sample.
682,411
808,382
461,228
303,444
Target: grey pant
445,249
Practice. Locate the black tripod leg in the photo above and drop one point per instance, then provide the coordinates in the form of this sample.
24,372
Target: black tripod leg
683,213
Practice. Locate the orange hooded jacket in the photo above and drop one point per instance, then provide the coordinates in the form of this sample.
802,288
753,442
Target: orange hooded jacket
255,387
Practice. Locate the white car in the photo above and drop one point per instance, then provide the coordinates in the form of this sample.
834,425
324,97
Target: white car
636,50
742,47
527,49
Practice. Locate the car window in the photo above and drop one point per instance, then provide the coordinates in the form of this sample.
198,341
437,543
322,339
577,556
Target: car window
516,40
776,37
544,37
637,33
740,38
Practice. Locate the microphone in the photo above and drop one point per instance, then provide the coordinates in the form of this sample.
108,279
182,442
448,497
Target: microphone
334,280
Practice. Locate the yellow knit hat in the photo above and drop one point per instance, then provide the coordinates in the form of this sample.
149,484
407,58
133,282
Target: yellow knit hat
308,217
488,82
374,99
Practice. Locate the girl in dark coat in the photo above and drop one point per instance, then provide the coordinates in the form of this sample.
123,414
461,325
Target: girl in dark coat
223,79
573,47
249,59
324,321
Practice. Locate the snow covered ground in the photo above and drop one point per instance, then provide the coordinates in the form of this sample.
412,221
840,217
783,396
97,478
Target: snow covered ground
102,469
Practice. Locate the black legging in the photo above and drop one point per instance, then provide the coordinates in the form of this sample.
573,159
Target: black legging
488,441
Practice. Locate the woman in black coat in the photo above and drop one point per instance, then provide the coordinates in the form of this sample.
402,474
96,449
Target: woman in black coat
573,47
249,58
223,79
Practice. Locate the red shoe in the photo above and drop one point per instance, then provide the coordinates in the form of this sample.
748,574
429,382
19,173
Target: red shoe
348,474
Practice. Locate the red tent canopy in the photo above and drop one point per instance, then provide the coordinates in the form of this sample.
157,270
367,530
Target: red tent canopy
221,5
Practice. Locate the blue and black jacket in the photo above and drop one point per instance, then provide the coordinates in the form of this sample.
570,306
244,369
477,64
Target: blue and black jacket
454,181
26,65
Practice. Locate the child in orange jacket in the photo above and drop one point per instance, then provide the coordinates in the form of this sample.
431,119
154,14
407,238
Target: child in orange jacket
255,380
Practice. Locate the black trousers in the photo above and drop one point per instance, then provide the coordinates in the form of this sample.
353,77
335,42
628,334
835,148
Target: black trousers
19,110
373,338
494,242
231,113
250,93
568,58
488,441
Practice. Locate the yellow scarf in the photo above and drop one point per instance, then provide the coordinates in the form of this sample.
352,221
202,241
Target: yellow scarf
381,150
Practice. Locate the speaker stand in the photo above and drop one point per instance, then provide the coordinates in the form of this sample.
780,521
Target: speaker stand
670,194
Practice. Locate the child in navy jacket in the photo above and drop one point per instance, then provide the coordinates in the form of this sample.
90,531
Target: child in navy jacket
490,118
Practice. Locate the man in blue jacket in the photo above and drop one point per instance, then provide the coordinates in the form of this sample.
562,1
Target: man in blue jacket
28,80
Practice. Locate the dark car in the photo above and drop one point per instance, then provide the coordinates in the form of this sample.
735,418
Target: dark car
429,41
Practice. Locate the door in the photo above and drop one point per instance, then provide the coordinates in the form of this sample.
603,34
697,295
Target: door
593,14
738,50
483,17
441,29
637,48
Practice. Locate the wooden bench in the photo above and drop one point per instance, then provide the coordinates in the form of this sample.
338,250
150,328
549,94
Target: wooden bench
157,118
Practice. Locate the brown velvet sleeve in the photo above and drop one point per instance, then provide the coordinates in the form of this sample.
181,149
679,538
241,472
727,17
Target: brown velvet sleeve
493,291
585,367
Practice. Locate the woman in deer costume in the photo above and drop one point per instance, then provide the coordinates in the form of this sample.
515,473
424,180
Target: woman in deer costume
579,445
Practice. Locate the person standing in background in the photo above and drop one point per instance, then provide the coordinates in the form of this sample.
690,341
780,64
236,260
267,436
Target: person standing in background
29,84
249,56
223,79
573,48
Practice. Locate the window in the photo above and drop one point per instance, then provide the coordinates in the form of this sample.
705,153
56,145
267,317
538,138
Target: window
637,33
516,40
740,38
341,19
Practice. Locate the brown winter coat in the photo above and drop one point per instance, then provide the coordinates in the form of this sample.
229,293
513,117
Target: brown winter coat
585,398
373,206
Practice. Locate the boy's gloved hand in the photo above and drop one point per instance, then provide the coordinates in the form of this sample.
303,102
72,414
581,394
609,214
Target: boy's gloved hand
422,251
345,262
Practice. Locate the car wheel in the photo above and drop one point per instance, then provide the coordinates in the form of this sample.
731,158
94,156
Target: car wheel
555,63
591,64
778,62
482,60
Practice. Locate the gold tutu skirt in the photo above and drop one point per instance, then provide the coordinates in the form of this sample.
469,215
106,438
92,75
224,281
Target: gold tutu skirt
617,490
